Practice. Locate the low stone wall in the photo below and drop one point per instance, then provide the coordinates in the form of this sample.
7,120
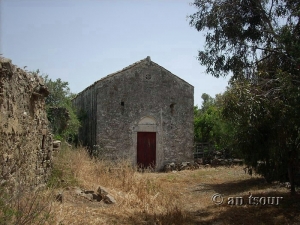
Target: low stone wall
25,140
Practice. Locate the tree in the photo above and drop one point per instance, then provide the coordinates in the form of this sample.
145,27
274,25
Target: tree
209,125
266,126
205,124
59,92
259,43
61,113
242,33
207,101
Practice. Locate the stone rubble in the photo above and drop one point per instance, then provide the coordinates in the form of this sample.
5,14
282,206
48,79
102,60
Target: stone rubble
100,195
26,149
199,162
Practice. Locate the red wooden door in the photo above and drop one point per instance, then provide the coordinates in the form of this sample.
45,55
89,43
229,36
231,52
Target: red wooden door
146,149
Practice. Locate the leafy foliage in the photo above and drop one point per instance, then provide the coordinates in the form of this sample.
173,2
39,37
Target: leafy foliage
267,127
242,33
209,126
60,97
259,42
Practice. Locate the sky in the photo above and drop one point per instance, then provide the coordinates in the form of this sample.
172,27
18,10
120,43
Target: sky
81,41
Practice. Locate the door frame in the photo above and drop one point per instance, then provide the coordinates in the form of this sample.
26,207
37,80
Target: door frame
147,124
137,148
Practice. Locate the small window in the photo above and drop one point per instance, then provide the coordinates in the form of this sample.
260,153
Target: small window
122,107
43,142
148,76
172,108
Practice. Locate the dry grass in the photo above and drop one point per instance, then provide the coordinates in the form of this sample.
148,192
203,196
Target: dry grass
164,198
25,207
136,193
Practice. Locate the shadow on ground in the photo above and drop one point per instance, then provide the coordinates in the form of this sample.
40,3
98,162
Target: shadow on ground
230,188
287,212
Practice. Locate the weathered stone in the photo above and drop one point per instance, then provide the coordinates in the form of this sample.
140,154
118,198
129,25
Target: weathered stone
142,98
5,63
170,167
56,144
184,166
89,195
78,191
167,168
199,161
109,199
22,125
196,165
102,191
177,166
237,161
102,194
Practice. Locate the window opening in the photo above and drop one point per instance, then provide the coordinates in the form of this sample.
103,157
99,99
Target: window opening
148,76
172,108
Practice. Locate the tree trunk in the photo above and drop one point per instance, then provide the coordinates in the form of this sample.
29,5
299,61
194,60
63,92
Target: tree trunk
291,170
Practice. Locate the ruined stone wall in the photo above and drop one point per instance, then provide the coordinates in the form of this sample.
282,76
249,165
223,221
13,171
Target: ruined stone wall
86,108
25,140
123,99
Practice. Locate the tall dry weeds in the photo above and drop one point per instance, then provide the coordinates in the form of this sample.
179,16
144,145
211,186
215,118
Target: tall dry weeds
26,207
135,192
163,199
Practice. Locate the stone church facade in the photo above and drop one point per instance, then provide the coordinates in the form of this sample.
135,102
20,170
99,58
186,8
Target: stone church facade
143,113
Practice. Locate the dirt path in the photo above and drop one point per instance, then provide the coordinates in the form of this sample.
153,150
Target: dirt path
183,198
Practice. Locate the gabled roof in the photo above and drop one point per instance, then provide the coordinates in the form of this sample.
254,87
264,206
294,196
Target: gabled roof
147,59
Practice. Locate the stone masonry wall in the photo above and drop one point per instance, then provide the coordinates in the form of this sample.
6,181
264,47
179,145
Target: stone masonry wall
146,90
25,140
115,105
